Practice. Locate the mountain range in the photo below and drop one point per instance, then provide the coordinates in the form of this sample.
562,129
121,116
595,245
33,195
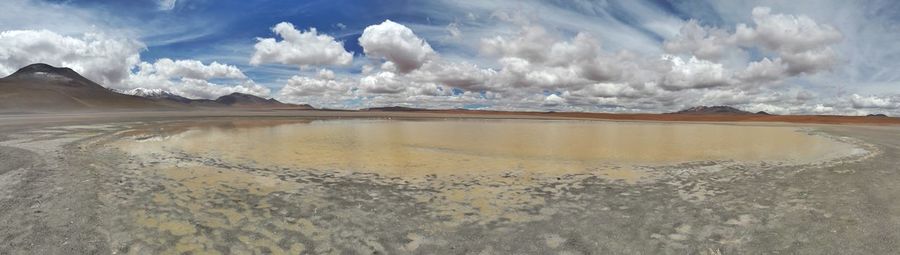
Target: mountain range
42,87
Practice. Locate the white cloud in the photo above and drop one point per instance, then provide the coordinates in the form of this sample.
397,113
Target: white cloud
299,86
764,71
100,58
705,43
531,44
455,74
694,73
609,90
800,41
874,102
397,44
553,100
194,69
453,30
801,44
319,92
58,17
787,33
167,4
383,83
302,48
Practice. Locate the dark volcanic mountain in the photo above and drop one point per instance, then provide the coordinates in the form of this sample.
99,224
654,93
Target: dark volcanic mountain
44,87
713,110
49,74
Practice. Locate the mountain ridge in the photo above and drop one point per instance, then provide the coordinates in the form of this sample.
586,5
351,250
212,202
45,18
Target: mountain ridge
717,109
42,87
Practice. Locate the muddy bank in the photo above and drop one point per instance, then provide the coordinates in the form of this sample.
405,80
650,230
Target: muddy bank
110,201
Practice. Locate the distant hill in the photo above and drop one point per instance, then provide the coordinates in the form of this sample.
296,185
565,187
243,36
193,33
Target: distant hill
157,94
172,99
714,110
44,87
395,109
880,115
247,100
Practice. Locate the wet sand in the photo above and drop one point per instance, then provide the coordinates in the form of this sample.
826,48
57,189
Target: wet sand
72,188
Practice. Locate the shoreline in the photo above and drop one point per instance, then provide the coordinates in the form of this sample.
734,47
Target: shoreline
59,118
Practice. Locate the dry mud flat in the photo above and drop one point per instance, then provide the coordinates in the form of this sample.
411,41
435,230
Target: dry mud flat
70,190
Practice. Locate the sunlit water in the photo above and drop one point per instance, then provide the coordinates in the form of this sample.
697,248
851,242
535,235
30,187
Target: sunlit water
476,147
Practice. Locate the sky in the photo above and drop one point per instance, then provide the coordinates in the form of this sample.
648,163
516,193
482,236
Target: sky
782,57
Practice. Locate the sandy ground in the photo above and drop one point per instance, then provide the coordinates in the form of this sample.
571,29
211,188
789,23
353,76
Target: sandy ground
65,190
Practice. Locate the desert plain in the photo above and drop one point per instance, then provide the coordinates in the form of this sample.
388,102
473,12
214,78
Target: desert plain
241,182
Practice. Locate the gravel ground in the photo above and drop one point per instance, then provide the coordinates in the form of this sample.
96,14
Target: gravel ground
65,190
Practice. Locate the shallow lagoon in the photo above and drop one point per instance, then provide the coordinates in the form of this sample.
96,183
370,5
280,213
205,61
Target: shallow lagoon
407,148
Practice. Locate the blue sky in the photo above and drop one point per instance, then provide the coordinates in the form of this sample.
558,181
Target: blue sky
821,57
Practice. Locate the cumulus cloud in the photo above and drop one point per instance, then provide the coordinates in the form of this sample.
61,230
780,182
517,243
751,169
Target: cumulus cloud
455,74
98,57
302,48
609,90
397,44
874,102
801,45
704,43
534,58
580,73
191,78
383,83
694,73
300,86
453,30
764,71
194,69
553,100
530,44
800,41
